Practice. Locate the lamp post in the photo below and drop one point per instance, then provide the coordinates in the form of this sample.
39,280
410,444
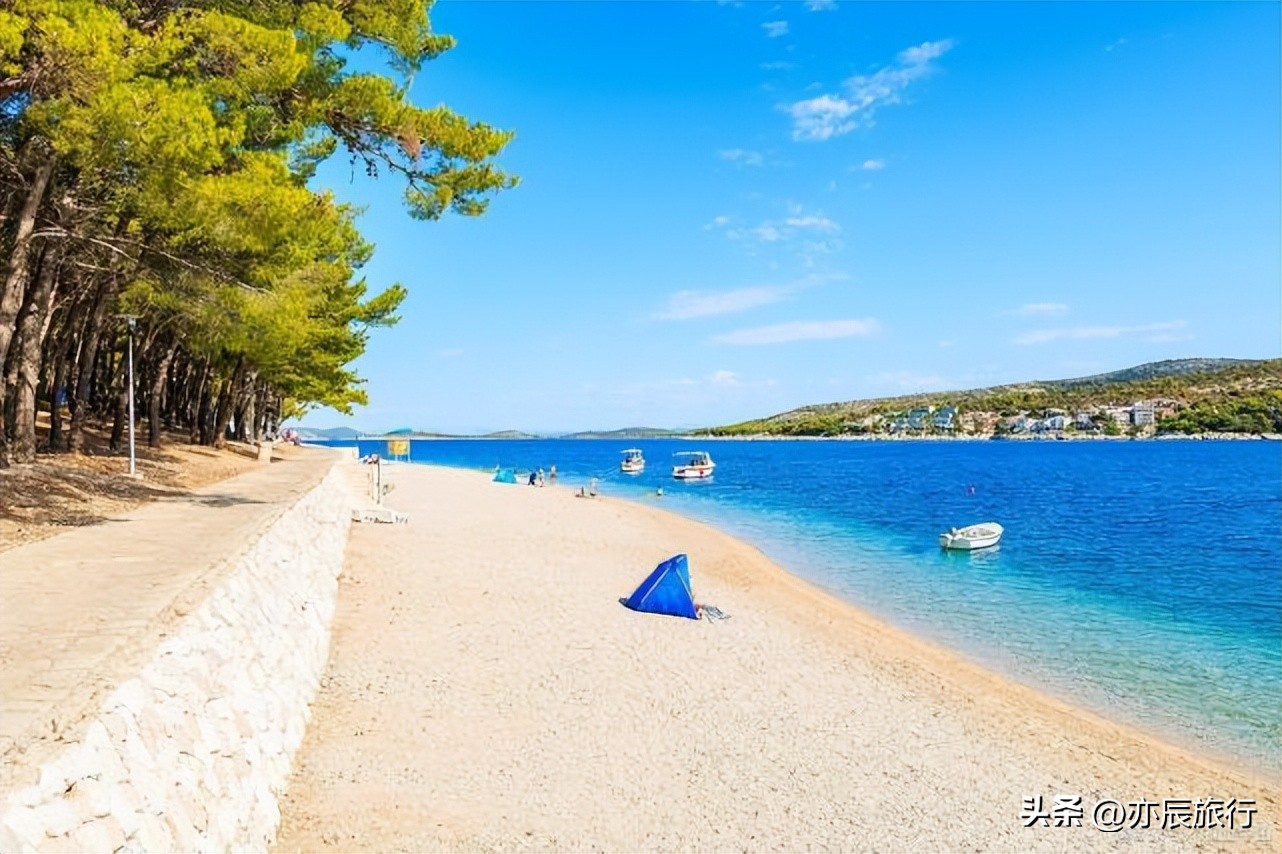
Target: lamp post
133,470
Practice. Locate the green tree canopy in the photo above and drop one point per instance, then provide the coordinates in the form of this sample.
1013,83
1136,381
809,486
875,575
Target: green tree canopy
156,160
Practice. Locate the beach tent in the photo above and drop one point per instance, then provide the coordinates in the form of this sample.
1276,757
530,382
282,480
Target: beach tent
505,475
666,590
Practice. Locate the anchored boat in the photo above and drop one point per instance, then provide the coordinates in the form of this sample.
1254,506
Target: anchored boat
971,537
633,461
693,465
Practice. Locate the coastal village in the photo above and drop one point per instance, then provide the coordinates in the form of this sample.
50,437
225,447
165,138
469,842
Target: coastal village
1139,419
1181,397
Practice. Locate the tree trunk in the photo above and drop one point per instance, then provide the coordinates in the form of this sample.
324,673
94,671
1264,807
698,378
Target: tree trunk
264,413
119,419
55,410
200,424
18,270
157,391
8,401
79,398
245,409
118,392
35,325
227,404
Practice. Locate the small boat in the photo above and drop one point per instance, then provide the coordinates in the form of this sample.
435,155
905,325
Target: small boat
695,465
633,461
971,537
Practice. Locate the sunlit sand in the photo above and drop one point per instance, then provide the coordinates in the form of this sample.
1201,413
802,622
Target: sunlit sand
487,690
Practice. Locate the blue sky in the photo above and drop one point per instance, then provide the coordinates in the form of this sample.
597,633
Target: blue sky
728,210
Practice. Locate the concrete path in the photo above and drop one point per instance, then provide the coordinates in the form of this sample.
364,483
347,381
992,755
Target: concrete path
82,611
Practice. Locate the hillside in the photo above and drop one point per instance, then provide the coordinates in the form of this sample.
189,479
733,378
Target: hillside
1226,395
626,433
1153,370
331,433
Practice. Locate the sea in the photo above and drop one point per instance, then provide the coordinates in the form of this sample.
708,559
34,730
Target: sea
1139,579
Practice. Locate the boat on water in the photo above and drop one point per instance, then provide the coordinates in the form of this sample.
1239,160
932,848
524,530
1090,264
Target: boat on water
971,537
693,465
633,462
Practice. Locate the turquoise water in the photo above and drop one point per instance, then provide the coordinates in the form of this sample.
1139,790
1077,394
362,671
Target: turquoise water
1142,580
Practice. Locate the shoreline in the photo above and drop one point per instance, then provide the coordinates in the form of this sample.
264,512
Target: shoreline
767,437
1235,758
918,649
806,699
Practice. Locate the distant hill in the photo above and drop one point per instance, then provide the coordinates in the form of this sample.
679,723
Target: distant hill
1201,385
328,433
508,434
627,433
1153,370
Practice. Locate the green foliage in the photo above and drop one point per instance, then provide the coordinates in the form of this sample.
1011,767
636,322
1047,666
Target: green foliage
1214,396
1256,413
185,135
12,35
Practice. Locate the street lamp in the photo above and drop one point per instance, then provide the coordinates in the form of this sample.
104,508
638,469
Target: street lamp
133,322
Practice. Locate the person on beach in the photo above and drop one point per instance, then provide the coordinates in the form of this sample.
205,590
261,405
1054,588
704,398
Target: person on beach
540,480
534,478
552,473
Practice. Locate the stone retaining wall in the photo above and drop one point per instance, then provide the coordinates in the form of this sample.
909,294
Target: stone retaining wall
191,753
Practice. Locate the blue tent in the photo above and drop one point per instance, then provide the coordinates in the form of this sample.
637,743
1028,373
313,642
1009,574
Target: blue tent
666,590
505,475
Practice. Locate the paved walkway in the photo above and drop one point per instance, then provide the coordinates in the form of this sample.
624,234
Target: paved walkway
82,611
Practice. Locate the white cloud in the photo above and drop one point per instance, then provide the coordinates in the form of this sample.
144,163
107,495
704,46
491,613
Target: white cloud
742,156
818,223
872,165
782,333
724,378
687,305
821,5
449,353
775,29
811,249
777,65
833,115
720,221
1115,45
767,232
797,224
822,118
1033,309
721,382
923,53
1079,333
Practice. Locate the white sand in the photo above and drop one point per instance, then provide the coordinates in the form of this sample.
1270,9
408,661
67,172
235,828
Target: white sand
487,691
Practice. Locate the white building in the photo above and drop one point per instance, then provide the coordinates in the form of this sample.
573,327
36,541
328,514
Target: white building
1143,413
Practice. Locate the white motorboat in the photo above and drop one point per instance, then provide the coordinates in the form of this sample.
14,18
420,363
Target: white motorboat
633,461
971,537
694,465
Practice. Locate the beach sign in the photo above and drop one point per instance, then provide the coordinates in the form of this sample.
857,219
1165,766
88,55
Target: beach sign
666,590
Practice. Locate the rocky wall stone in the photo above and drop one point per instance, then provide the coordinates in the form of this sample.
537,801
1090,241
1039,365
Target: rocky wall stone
191,753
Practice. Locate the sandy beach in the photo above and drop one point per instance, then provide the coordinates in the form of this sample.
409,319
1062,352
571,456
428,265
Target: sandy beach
486,690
